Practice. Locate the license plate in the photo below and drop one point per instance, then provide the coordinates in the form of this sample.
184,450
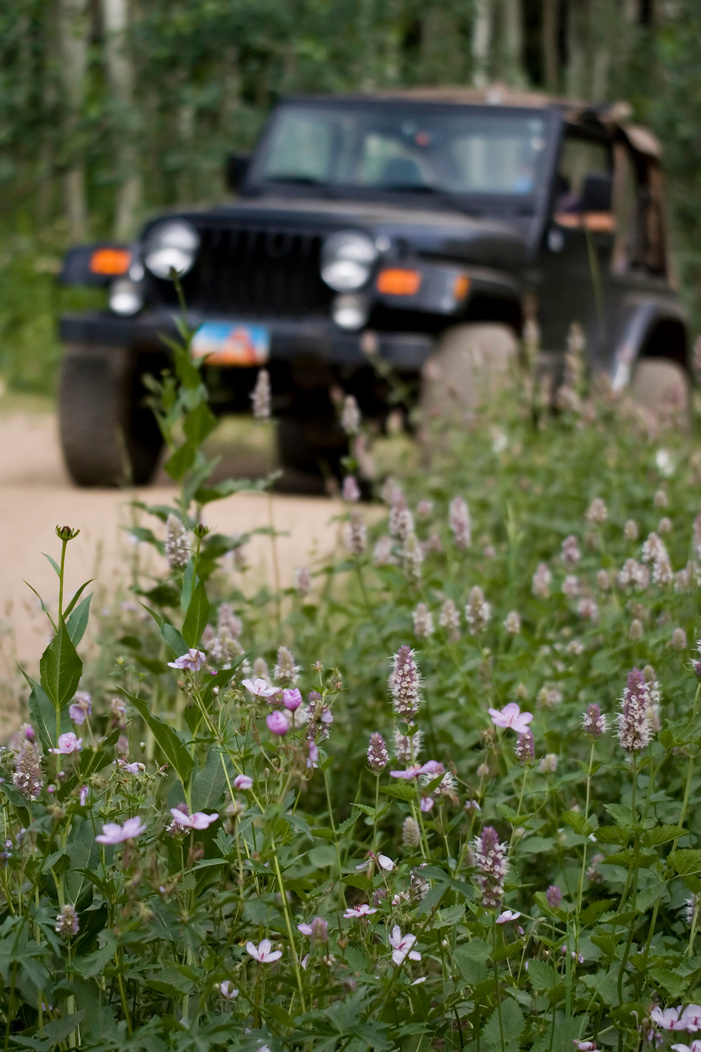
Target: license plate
227,343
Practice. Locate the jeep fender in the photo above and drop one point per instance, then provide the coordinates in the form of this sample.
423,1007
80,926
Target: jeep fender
652,327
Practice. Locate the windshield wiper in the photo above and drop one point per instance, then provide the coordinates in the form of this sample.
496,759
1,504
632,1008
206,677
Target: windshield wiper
298,180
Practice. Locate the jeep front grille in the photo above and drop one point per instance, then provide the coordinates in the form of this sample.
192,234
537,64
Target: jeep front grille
257,271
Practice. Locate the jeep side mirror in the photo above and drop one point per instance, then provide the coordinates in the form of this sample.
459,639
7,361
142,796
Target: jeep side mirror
596,193
235,170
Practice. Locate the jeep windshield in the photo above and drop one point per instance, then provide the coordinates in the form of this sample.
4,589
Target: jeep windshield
377,148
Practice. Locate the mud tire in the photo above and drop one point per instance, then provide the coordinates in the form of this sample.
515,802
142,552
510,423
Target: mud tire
470,365
108,436
655,381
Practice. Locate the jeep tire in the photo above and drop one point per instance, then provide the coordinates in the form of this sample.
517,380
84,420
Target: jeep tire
470,364
311,445
655,382
109,437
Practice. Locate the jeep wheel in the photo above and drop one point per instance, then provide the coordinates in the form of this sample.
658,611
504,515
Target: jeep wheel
311,446
470,365
660,382
109,437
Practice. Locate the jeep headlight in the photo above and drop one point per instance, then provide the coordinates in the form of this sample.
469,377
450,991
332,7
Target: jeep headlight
347,259
171,245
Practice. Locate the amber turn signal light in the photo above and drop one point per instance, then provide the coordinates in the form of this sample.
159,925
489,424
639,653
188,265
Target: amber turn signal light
111,261
461,287
396,281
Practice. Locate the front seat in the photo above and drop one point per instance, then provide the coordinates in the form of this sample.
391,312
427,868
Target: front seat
401,173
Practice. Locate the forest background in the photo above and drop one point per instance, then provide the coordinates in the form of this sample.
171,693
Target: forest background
112,109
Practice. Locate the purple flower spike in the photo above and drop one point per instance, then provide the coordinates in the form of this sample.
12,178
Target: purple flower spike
491,864
633,719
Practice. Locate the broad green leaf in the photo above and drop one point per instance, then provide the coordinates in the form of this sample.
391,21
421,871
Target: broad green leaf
510,1025
542,976
60,669
199,423
167,740
209,784
685,860
173,640
662,834
180,462
69,609
197,616
78,621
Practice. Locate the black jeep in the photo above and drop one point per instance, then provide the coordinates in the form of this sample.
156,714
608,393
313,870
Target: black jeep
402,225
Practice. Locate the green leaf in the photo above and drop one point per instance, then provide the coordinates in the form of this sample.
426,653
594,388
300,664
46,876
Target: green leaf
60,668
402,791
168,741
513,816
43,604
179,463
53,562
542,976
69,609
662,834
209,784
173,640
197,616
199,423
78,621
322,856
685,860
511,1023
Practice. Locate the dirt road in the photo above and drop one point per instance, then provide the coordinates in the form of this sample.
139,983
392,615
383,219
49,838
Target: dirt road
36,495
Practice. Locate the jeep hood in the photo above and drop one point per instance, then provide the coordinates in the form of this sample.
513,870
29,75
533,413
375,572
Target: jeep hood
437,233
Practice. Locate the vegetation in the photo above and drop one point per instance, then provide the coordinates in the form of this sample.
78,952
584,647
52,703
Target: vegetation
110,110
441,792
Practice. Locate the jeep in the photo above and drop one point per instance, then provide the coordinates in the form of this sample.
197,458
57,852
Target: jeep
419,227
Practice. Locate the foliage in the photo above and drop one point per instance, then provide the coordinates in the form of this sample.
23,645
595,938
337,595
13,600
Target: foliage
214,860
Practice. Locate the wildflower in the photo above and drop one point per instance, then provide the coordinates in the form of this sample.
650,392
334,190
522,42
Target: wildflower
472,807
177,551
511,717
477,612
630,530
633,574
401,521
570,552
67,743
363,910
411,834
350,416
227,990
553,896
525,748
424,508
81,707
653,549
83,795
260,687
132,768
382,552
548,765
506,916
594,721
378,757
512,623
285,671
668,1018
193,660
548,697
459,519
597,512
198,820
540,584
682,579
356,534
291,698
278,723
570,586
423,622
662,573
112,833
262,952
449,619
402,946
426,804
407,747
633,720
664,525
491,865
67,922
691,908
118,709
260,396
432,767
655,697
412,559
678,640
27,775
243,782
302,581
635,632
405,684
575,647
660,498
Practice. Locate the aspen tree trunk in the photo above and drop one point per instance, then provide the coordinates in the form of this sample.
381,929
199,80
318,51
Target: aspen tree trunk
551,57
513,42
482,28
73,46
579,65
121,80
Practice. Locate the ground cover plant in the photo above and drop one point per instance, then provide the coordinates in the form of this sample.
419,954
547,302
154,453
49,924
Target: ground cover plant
440,792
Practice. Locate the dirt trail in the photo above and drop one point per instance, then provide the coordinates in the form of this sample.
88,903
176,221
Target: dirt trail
36,495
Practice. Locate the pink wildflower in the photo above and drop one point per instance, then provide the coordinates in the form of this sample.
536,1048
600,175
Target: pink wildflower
243,782
291,698
506,916
633,721
432,767
262,952
67,743
198,820
81,707
260,687
491,864
405,684
228,991
402,946
132,768
459,518
112,833
278,723
363,910
511,717
377,753
192,661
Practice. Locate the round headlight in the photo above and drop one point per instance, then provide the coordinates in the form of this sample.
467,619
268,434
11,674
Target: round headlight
347,259
125,297
171,245
350,311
